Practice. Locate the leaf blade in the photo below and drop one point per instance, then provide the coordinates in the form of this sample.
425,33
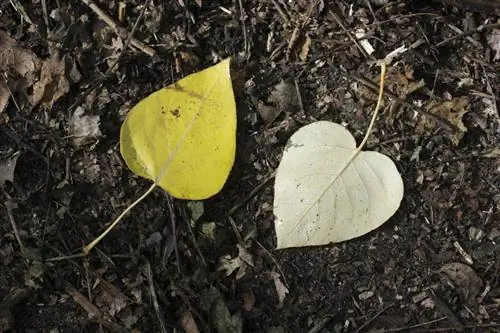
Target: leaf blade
334,202
184,132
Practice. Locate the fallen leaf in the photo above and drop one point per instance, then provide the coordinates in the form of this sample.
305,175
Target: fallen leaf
248,301
283,98
495,43
53,83
188,323
464,279
494,153
109,298
84,128
268,113
281,289
222,319
452,110
239,263
304,49
22,63
7,168
4,96
322,194
196,208
211,300
183,137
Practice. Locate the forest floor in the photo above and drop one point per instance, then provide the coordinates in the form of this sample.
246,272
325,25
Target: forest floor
69,79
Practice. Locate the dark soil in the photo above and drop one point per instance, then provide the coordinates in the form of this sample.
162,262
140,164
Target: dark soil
433,267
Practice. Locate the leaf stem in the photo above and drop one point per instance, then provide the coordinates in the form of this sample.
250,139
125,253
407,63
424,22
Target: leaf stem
91,245
383,68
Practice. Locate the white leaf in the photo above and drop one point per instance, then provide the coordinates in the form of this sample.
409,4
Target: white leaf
323,195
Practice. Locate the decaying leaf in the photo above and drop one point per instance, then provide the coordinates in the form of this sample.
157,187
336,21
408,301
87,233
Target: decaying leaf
211,300
281,289
7,168
4,95
495,43
304,49
452,110
239,263
48,78
322,194
188,323
283,98
183,137
53,83
19,62
22,61
464,278
84,128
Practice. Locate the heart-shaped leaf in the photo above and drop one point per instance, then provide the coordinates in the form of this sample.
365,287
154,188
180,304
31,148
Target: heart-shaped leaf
183,137
325,192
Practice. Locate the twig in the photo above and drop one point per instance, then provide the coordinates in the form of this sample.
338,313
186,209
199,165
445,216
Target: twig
280,10
171,212
441,120
392,19
9,206
154,298
275,262
408,328
489,89
299,96
351,37
20,9
130,37
460,32
468,33
365,324
256,189
445,310
45,14
129,40
109,21
244,28
195,244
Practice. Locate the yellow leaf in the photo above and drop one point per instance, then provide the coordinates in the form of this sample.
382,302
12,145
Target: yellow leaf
183,137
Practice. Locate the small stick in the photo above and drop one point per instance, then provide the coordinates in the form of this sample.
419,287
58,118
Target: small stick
154,298
20,9
299,96
244,28
360,328
256,189
351,37
468,33
281,11
45,14
109,21
171,213
9,206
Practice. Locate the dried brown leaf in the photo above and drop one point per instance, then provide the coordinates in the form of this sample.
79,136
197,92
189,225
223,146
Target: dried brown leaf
495,43
4,96
463,278
7,168
239,263
53,83
281,289
188,323
452,111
